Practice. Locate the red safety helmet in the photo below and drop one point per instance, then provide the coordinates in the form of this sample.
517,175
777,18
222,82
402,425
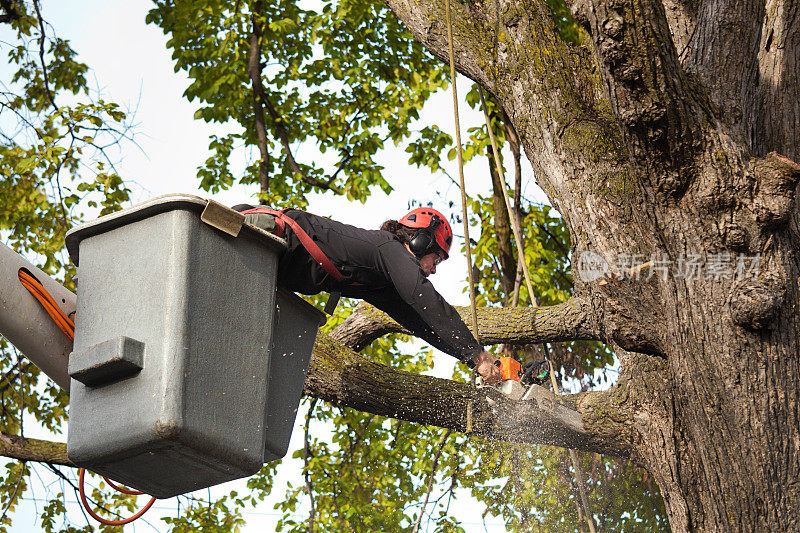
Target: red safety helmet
436,231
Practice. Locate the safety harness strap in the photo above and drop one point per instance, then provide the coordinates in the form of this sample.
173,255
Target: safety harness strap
308,243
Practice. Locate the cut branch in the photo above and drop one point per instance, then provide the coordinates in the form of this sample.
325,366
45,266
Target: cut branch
593,421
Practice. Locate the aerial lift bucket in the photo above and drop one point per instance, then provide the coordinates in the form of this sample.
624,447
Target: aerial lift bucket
188,365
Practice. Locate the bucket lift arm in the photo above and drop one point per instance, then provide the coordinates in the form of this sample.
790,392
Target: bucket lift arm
25,323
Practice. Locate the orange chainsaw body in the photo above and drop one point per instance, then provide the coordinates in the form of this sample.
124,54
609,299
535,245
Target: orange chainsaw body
509,368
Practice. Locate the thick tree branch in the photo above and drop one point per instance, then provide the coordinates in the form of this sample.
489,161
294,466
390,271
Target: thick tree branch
594,421
744,53
660,113
620,317
26,449
572,320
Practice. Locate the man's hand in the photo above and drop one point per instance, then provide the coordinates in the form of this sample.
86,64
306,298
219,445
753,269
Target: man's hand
486,367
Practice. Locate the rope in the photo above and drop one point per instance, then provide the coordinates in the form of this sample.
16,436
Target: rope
511,214
67,326
576,465
461,173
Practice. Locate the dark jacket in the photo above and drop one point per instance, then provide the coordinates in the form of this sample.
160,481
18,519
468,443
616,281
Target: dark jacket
380,270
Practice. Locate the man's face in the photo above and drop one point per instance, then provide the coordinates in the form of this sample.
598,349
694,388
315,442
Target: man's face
428,262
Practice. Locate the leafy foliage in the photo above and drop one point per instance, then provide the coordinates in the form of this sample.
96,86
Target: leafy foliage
219,516
342,77
54,141
533,489
565,22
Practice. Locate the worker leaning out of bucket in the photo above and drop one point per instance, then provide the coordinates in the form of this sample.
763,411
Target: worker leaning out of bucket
388,268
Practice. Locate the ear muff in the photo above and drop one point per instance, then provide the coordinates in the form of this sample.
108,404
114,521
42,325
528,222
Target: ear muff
424,242
420,243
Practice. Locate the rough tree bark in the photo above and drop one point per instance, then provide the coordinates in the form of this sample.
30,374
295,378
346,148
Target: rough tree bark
671,133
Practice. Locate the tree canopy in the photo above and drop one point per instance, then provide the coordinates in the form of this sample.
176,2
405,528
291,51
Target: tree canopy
347,78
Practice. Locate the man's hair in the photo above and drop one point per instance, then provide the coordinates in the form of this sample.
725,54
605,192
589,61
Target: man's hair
401,233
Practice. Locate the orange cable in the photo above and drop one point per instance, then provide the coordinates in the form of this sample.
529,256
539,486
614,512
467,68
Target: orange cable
99,518
66,325
34,286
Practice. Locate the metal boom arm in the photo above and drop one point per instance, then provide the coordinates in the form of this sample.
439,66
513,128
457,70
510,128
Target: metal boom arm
25,323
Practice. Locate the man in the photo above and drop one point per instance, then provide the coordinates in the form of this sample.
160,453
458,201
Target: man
388,268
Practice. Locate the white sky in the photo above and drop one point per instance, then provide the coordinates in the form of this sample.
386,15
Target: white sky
133,67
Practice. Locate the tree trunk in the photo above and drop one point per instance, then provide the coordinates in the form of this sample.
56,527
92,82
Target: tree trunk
502,228
670,136
254,70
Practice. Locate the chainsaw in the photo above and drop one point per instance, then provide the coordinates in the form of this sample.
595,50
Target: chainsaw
517,378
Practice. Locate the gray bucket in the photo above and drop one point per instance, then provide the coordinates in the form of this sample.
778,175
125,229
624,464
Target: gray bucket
174,368
296,325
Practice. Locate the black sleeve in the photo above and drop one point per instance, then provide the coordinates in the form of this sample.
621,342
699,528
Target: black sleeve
417,306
